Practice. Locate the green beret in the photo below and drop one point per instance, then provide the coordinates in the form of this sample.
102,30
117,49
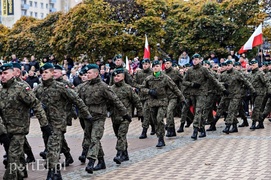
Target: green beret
175,65
196,56
145,61
6,67
253,62
224,64
187,65
17,65
156,62
83,71
118,71
168,60
229,62
46,66
118,56
58,67
237,64
206,62
91,66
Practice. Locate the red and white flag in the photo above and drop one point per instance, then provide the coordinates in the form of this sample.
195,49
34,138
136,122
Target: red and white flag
147,53
255,39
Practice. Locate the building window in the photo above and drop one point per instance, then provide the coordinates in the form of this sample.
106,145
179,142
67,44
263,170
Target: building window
36,4
31,13
30,3
23,13
41,5
36,14
46,6
41,15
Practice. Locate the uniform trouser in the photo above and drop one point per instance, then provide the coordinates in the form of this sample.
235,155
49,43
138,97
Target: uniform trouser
54,145
208,109
242,112
256,112
200,102
27,147
267,108
86,140
246,101
121,131
222,107
16,159
233,105
186,113
157,114
65,148
147,116
264,102
170,112
95,131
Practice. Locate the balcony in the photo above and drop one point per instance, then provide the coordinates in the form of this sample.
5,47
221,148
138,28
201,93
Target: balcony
52,10
25,6
52,1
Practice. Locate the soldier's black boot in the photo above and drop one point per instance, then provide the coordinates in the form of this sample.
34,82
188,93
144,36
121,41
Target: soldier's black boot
234,128
100,165
90,166
68,159
30,157
57,175
211,127
173,132
195,133
152,129
260,125
50,175
125,156
118,158
202,132
169,132
244,124
188,123
227,129
143,134
83,156
180,130
253,125
43,154
161,142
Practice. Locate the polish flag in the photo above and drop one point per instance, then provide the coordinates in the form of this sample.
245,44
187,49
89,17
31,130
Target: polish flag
128,66
147,53
255,39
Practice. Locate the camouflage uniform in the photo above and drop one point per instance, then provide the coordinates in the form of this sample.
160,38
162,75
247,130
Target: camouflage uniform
128,78
139,77
54,95
120,126
159,102
96,95
16,100
197,86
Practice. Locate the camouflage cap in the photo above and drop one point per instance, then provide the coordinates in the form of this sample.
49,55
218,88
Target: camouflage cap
17,65
196,56
156,62
58,67
46,66
145,61
118,71
6,67
237,64
91,66
253,62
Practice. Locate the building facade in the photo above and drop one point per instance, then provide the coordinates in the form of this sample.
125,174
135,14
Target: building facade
13,10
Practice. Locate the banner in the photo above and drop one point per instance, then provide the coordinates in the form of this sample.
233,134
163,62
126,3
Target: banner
7,7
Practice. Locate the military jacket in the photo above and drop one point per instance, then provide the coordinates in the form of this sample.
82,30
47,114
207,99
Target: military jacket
259,82
199,74
96,95
53,96
161,84
233,80
16,99
129,99
177,79
139,77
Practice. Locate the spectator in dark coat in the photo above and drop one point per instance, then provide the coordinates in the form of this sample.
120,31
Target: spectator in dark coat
32,78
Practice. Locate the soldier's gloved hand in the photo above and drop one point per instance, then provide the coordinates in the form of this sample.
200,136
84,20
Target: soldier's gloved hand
226,92
46,130
153,93
255,94
89,118
137,90
127,117
226,85
196,85
141,118
4,139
